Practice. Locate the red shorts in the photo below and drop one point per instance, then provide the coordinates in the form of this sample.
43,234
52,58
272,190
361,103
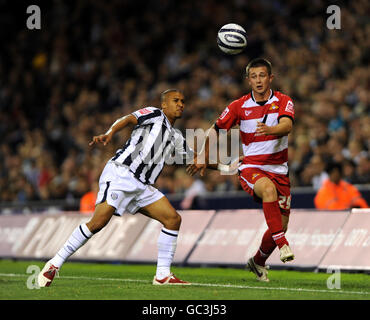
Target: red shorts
249,176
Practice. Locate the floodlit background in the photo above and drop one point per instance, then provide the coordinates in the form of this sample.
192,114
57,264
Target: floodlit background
95,61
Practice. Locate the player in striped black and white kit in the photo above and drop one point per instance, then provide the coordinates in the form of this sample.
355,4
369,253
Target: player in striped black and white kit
125,184
265,118
152,143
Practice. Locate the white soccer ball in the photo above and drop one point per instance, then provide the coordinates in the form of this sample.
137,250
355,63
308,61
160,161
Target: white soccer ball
232,38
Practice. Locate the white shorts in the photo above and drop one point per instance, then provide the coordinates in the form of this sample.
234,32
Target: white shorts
119,187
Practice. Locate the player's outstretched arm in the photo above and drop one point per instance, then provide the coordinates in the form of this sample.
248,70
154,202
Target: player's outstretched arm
116,126
201,160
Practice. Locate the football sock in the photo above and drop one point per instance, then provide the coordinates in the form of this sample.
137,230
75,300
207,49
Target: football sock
76,240
167,242
272,214
268,245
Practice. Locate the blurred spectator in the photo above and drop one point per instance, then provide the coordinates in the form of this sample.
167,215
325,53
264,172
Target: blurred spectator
87,201
337,194
196,189
363,170
314,173
349,172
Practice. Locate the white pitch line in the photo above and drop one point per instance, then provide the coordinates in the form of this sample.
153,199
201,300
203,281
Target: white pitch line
202,284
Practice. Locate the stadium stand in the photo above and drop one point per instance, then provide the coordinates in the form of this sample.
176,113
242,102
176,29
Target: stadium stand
94,61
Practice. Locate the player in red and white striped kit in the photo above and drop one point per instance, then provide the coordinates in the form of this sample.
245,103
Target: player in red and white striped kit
265,118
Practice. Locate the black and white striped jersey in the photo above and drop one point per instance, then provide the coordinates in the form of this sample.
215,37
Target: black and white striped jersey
153,143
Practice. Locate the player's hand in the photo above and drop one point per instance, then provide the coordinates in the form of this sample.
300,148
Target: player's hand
262,129
192,169
195,167
103,138
234,166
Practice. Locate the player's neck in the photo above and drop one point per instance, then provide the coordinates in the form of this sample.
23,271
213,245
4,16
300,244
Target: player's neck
169,118
260,97
171,121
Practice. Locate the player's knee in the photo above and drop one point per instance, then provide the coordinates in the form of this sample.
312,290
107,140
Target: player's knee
269,193
172,221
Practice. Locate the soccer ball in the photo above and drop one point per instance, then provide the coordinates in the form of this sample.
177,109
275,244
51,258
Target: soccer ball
232,38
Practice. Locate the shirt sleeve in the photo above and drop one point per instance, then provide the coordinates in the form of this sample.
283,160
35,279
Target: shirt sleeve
320,199
147,115
356,199
229,117
287,109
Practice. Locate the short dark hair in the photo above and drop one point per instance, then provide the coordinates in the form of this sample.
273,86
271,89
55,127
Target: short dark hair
331,166
259,62
164,93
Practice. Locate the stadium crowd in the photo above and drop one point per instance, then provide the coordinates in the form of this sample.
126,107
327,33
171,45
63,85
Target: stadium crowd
95,61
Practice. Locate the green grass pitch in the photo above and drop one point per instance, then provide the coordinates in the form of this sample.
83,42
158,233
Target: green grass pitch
91,281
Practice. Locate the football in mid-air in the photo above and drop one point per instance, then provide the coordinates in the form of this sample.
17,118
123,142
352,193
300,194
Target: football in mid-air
232,38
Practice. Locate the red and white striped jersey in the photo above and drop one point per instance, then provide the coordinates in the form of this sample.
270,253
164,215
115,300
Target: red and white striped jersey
268,153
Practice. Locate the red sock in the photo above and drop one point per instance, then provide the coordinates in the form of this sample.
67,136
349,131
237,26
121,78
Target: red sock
272,214
268,245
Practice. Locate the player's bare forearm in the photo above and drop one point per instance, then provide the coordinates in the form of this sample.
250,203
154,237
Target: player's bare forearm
200,166
201,161
226,167
115,127
283,128
121,123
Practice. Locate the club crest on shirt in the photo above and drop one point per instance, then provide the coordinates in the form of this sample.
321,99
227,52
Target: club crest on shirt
274,107
247,112
114,196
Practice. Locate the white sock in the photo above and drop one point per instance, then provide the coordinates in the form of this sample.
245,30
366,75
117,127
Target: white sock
76,240
167,242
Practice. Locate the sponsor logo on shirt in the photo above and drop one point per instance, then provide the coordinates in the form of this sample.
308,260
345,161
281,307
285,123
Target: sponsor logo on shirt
289,107
224,113
145,111
255,175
